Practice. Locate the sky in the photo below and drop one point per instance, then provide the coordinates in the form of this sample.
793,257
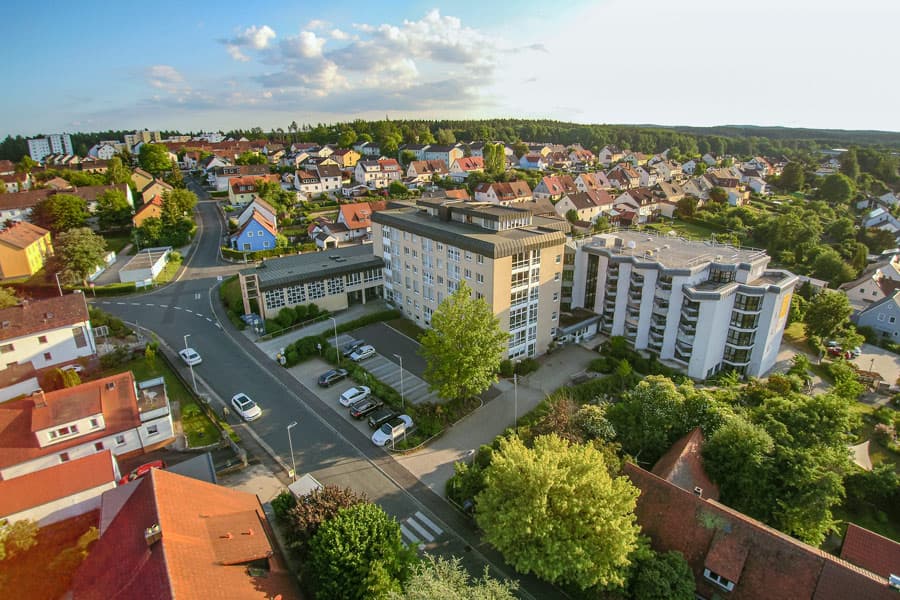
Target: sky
91,66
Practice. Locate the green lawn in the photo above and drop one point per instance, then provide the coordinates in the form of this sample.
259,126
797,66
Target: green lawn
169,271
116,242
407,327
196,425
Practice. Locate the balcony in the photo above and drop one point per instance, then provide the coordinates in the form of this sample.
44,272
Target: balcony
688,314
664,285
654,346
663,294
683,358
657,334
635,295
683,347
744,327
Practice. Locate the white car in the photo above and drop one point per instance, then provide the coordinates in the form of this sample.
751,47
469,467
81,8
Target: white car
74,367
247,408
362,353
190,356
353,394
392,430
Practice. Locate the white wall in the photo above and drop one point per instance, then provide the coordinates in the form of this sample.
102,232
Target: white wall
64,508
60,344
131,443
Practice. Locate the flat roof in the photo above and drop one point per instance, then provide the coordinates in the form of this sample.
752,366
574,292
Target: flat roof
145,259
493,244
673,251
313,266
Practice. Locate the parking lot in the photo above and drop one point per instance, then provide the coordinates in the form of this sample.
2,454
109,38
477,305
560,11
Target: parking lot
879,360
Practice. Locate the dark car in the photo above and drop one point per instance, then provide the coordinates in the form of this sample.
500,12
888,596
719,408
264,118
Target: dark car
361,408
351,347
381,416
331,377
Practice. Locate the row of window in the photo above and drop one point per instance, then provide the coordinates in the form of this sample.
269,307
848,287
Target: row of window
152,429
298,294
78,336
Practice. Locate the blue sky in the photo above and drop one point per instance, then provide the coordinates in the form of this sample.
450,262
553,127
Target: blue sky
89,66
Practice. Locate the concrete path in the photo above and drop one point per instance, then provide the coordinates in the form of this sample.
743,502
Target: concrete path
111,273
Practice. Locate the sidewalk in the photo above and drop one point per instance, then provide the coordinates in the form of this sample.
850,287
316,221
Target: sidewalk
434,465
273,346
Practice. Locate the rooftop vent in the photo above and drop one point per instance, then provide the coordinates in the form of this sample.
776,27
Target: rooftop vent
698,491
110,385
152,534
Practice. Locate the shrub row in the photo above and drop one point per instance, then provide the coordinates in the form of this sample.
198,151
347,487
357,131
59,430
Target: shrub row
377,317
522,368
292,315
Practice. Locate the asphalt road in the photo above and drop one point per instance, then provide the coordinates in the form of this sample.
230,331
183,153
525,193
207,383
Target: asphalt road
324,443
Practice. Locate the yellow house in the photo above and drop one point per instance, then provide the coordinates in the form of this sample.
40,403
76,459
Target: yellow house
153,208
23,250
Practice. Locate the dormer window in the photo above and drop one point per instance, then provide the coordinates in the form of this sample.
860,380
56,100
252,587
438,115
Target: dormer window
719,580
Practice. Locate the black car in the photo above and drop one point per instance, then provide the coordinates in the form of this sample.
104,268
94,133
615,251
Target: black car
331,377
351,347
361,408
381,416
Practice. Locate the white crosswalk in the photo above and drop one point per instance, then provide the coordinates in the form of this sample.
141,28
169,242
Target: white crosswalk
418,529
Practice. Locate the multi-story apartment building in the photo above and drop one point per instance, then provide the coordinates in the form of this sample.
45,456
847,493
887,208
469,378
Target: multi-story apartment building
507,256
56,143
708,307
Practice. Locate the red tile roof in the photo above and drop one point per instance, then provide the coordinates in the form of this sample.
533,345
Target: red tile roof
22,234
683,466
423,167
458,194
59,481
209,534
26,199
871,551
470,163
359,215
20,418
32,316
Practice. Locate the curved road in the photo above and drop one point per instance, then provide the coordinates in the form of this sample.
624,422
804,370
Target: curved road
324,443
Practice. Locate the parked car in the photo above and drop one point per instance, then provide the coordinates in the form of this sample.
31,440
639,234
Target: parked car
142,470
361,408
245,407
832,344
381,416
351,347
392,430
190,356
354,394
856,352
362,353
835,351
73,367
331,377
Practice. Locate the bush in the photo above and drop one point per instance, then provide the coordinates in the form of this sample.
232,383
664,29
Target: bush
526,366
601,365
304,348
110,289
506,368
116,358
282,503
884,434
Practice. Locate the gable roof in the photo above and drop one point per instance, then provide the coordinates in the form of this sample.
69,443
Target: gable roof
258,218
429,166
22,234
33,316
470,163
24,199
59,481
559,184
209,534
359,215
460,194
683,466
871,551
329,170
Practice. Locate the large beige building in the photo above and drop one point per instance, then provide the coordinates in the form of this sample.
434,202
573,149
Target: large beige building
507,256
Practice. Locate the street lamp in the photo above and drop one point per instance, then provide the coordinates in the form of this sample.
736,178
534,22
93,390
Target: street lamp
291,445
59,285
402,401
516,402
338,350
190,366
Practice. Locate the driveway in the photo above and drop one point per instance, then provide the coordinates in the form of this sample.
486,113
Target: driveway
879,360
388,341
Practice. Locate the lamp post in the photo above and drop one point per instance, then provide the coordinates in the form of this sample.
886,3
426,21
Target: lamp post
190,366
516,402
291,445
402,401
337,350
59,285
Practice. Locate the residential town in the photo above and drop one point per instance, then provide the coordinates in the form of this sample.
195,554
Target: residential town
367,352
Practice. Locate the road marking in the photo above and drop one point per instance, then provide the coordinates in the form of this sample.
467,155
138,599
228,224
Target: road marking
219,326
199,315
410,537
120,303
422,531
429,522
208,319
164,306
189,310
148,304
197,296
177,307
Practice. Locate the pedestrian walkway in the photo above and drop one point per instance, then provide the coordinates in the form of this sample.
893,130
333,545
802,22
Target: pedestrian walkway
418,529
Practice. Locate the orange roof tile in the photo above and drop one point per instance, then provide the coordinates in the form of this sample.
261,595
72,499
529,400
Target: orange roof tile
871,551
683,465
22,234
32,316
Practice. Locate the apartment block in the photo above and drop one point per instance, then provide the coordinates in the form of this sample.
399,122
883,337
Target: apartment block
56,143
708,307
506,255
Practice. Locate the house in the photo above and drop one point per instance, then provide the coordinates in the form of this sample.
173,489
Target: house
219,177
709,159
588,205
621,179
461,167
263,208
732,555
643,200
698,187
636,159
170,536
255,234
151,208
111,413
330,177
670,192
682,465
308,183
377,174
16,182
425,170
758,185
888,200
46,333
883,316
871,551
760,164
534,162
689,167
586,182
104,150
554,187
503,192
59,492
7,167
368,149
357,218
445,153
580,156
24,249
881,219
418,150
212,162
648,176
60,185
668,170
156,188
609,155
346,158
141,178
242,190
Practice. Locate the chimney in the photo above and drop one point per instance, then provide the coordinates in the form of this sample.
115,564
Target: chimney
698,491
152,534
40,401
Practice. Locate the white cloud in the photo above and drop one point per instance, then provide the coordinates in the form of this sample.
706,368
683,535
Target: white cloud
305,45
337,34
253,37
317,24
164,77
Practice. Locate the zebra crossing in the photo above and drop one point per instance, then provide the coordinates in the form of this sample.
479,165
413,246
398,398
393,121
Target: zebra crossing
419,529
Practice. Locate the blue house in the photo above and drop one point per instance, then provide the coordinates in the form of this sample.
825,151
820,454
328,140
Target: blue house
256,233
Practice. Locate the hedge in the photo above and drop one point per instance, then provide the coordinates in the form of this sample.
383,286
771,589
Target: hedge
110,289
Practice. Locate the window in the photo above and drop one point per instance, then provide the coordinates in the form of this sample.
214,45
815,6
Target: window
556,296
152,429
453,253
274,299
556,277
558,258
479,259
249,234
468,275
554,316
468,256
99,447
296,294
6,348
479,277
64,457
42,339
881,316
120,440
95,423
478,295
316,290
335,285
718,580
49,355
892,319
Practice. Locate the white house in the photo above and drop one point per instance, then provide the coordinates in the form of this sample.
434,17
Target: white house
46,333
329,177
104,150
649,176
534,162
263,208
377,174
588,205
554,187
461,167
758,185
689,167
417,149
308,183
112,413
368,149
445,153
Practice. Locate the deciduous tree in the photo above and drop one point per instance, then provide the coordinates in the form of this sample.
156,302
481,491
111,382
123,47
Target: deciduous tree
312,510
60,212
464,346
436,577
113,210
792,177
8,297
837,189
78,253
553,510
827,312
665,576
154,158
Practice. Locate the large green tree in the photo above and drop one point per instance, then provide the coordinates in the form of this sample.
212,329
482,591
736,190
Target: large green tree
837,189
117,172
464,346
312,510
792,177
113,210
554,510
830,266
60,212
439,578
78,252
494,159
154,158
358,554
665,576
850,164
827,313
